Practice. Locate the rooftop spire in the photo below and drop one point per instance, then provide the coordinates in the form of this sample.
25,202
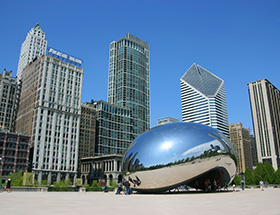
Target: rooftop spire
37,27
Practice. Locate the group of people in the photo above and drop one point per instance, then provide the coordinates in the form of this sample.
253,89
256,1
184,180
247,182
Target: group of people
215,186
243,185
123,184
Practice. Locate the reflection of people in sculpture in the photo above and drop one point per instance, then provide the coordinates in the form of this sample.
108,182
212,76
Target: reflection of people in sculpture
214,185
135,182
196,184
226,186
215,148
206,185
209,185
219,185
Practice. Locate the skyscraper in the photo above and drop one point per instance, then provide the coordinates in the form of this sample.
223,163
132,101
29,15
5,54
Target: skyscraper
49,111
34,46
105,129
129,80
9,100
240,138
113,128
203,99
265,108
87,130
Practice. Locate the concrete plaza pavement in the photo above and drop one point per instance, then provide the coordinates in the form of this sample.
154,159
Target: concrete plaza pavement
250,201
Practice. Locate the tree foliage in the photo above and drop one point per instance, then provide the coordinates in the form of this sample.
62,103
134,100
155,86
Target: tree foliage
249,177
263,172
237,180
45,183
16,178
276,177
62,183
95,183
113,183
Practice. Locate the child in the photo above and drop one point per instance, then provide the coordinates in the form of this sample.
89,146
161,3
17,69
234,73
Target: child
233,187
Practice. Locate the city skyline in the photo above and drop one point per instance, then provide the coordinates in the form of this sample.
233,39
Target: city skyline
238,42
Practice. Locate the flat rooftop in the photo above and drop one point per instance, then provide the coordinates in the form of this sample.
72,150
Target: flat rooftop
250,201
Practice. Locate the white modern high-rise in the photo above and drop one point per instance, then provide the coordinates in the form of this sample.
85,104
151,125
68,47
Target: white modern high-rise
265,108
34,46
49,111
203,99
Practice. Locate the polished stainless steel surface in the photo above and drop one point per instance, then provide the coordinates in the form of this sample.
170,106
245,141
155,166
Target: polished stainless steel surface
177,154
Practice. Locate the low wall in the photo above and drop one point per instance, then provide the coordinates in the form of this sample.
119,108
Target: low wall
29,189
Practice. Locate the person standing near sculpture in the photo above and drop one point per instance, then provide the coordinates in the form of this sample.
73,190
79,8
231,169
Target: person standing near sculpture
261,184
242,184
127,187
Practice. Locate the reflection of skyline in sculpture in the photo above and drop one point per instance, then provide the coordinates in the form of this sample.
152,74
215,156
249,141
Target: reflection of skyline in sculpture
176,149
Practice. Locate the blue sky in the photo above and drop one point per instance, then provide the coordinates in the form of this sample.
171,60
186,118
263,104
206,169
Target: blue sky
236,40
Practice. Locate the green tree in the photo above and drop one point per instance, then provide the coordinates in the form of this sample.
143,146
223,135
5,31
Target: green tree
95,183
276,176
237,180
249,177
68,182
86,186
16,178
269,172
113,183
260,173
45,183
36,183
62,183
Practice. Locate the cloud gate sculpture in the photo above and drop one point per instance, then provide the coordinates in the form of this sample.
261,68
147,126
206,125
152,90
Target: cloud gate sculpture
176,154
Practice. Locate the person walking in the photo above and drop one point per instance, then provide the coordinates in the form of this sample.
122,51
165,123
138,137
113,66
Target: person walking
219,185
119,188
9,184
233,187
214,185
261,184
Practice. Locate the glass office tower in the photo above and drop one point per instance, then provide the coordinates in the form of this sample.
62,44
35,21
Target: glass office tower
129,80
203,99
